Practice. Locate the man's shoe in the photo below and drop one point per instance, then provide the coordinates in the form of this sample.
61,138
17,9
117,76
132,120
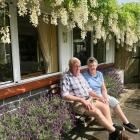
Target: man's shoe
116,135
131,127
119,127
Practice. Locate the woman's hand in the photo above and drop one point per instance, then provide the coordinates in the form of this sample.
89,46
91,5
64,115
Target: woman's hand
102,99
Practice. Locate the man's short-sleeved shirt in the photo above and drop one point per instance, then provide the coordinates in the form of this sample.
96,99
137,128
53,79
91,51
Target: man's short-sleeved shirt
74,85
95,81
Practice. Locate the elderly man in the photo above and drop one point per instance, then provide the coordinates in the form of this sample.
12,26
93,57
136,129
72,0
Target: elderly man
96,81
75,88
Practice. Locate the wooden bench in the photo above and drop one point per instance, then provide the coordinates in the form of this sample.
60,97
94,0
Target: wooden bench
54,90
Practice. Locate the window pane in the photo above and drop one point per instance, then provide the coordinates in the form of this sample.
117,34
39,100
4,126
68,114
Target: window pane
81,48
35,57
99,51
6,70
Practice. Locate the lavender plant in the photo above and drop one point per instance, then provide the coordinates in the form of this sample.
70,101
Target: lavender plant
42,119
113,82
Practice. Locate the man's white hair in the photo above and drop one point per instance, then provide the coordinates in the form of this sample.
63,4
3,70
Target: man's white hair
73,60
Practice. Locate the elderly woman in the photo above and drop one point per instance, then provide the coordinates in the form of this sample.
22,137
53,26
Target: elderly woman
96,82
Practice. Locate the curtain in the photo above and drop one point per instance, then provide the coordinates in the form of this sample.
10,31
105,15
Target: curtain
48,44
54,50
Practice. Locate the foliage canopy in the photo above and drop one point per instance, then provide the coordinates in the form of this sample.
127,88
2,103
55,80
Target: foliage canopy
106,18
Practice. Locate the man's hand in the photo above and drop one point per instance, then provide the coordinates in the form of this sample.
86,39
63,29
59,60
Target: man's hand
87,104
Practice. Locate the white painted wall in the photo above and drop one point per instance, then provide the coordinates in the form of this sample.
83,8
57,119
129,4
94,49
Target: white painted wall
65,47
14,41
110,51
110,56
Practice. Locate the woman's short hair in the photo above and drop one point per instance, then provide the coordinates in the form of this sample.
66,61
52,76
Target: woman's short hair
92,60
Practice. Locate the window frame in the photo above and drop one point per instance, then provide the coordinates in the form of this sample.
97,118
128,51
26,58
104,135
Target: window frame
17,80
91,45
107,51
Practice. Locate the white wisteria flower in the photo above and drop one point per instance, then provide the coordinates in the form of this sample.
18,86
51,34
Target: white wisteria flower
93,3
34,12
5,35
46,18
103,33
109,36
89,25
113,23
98,27
34,18
138,28
71,25
122,34
134,48
80,14
2,4
63,16
33,6
98,30
83,34
56,3
101,18
93,16
94,41
22,7
131,36
54,18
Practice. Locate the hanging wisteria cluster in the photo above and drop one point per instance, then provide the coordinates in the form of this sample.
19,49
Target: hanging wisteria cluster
2,3
32,7
5,34
106,18
4,30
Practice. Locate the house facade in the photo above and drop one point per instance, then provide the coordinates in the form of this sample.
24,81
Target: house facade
36,57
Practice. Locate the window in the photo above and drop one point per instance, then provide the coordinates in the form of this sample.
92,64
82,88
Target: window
81,48
6,70
33,51
37,48
99,51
